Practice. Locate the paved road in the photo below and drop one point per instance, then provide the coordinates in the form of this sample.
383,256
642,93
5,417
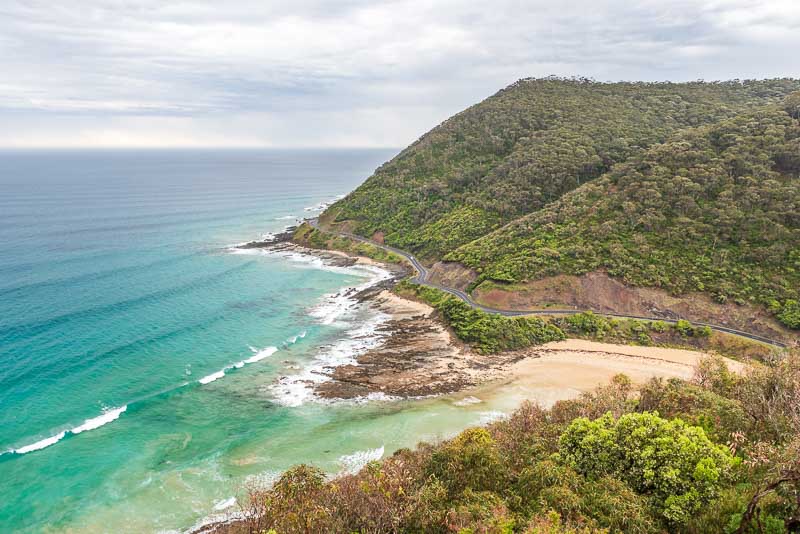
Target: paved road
423,276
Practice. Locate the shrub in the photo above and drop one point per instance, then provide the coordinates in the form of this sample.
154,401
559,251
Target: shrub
589,323
658,326
613,505
487,333
790,314
296,503
480,512
676,464
684,328
471,460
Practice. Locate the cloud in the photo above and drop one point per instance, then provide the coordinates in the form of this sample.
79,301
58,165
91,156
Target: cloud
305,72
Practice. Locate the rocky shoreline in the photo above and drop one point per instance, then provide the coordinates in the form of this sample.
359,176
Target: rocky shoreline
418,356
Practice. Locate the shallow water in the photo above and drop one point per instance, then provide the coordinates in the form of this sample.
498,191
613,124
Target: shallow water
148,372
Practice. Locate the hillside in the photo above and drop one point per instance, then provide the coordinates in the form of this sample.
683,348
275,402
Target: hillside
523,148
690,188
716,209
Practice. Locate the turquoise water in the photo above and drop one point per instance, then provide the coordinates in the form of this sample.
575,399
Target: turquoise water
149,372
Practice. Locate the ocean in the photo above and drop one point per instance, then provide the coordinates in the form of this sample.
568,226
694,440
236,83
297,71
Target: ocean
150,372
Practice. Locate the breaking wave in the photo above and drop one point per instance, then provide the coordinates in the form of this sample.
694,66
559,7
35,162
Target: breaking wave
90,424
353,463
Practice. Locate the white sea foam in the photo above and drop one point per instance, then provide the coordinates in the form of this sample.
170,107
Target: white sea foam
287,218
339,305
210,524
40,444
353,463
261,354
100,420
294,339
466,401
89,424
213,376
491,417
224,504
295,390
375,396
320,206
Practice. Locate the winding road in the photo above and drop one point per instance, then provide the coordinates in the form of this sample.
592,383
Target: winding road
423,278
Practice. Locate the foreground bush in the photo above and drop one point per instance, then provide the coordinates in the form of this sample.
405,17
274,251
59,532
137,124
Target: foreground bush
674,463
572,469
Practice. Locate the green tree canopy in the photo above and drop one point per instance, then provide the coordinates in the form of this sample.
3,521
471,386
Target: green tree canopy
673,462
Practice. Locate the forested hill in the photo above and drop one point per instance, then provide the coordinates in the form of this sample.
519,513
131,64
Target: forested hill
686,187
716,209
525,147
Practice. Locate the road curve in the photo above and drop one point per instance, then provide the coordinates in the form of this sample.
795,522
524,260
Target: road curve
423,275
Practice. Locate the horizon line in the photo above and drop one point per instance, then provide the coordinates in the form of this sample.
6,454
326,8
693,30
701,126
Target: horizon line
192,147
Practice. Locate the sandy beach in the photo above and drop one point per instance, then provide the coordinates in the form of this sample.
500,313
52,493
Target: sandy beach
421,357
564,369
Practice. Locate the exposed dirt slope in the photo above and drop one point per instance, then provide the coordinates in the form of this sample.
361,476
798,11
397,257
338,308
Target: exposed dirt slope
599,292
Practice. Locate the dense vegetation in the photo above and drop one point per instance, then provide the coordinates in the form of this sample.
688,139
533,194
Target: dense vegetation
718,454
485,332
716,209
490,333
687,187
310,237
526,146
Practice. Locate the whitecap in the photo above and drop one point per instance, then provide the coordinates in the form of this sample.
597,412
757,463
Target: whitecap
491,417
41,444
466,401
89,424
226,503
213,376
261,354
100,420
294,339
353,463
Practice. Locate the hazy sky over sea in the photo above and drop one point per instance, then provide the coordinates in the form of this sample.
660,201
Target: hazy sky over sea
343,73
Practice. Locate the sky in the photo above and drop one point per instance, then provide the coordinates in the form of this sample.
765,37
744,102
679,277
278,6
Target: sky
346,73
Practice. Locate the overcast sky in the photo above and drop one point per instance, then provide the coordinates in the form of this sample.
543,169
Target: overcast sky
343,73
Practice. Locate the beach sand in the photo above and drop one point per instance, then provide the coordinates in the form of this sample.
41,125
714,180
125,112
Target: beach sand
421,357
564,369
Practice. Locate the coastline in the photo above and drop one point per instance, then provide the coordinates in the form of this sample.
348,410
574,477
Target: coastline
417,356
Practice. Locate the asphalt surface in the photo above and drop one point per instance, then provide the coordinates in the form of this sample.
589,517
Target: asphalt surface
423,276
